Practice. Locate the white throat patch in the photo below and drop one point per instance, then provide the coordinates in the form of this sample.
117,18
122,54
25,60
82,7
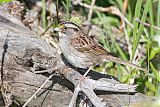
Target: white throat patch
61,34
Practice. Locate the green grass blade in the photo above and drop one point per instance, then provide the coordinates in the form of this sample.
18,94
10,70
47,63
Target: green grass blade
151,86
137,35
158,16
151,19
118,48
5,1
68,3
157,76
136,15
44,13
120,3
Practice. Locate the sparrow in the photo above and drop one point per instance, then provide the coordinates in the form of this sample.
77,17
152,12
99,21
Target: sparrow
82,51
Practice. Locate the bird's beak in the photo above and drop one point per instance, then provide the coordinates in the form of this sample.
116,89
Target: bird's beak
57,29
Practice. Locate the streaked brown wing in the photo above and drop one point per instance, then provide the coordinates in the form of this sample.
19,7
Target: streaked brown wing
86,44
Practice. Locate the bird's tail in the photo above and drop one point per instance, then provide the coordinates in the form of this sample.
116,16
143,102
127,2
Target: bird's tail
117,60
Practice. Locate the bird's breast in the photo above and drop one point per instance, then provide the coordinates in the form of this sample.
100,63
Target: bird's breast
74,57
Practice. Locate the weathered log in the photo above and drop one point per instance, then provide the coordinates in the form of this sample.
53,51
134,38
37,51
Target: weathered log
21,50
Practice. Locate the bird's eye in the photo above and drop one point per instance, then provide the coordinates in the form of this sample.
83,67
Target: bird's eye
65,27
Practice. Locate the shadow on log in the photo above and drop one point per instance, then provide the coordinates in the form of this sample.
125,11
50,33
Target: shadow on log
23,52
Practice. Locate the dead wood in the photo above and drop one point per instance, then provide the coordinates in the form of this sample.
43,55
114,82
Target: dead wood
21,50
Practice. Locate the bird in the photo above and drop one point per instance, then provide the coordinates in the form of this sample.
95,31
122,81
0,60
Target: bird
82,51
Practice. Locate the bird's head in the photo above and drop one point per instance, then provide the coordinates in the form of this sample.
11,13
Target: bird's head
66,29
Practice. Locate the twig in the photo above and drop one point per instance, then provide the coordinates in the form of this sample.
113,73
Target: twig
77,89
91,10
87,71
135,55
57,11
105,85
128,43
75,94
46,29
87,89
111,9
89,85
147,24
34,95
125,4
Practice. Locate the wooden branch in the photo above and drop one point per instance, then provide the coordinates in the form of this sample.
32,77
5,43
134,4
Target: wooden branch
91,10
25,50
112,9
